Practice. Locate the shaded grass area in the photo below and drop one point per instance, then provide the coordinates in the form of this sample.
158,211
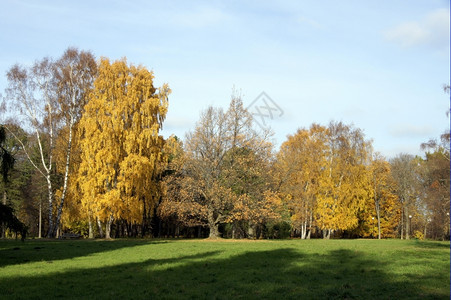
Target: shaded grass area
200,269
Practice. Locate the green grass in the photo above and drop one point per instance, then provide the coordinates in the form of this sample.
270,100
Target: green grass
201,269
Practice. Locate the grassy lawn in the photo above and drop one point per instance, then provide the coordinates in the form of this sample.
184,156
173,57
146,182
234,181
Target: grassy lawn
201,269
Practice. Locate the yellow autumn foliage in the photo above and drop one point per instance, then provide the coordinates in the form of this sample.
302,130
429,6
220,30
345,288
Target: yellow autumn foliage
121,150
323,172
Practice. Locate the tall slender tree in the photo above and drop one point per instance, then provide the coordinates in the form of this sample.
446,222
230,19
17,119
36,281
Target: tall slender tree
120,143
300,169
344,185
50,96
74,75
31,92
323,173
382,207
405,173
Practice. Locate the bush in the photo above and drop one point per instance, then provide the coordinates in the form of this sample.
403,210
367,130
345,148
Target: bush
80,227
418,235
8,218
278,230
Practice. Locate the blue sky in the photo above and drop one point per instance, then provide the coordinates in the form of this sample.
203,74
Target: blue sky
379,65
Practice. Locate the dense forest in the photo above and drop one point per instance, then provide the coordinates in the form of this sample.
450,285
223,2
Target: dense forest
89,159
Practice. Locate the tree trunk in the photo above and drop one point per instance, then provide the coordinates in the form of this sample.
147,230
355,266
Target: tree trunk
378,213
107,230
66,175
51,231
177,230
250,232
449,228
326,234
108,224
407,224
90,232
40,218
402,223
214,231
144,220
3,224
213,224
304,230
310,225
99,224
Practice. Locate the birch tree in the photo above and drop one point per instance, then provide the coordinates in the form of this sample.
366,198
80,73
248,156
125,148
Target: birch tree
380,214
345,185
120,143
74,74
50,96
323,173
300,166
31,93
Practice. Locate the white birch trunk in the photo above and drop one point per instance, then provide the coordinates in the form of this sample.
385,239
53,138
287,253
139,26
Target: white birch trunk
108,224
66,173
310,225
50,212
378,212
99,224
40,219
304,230
90,231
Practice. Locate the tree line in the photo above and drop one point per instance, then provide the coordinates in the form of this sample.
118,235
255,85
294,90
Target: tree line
90,159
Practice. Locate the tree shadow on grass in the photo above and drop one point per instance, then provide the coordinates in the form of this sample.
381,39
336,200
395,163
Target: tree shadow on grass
275,274
16,252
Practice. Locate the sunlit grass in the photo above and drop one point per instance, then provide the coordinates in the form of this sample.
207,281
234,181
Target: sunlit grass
174,269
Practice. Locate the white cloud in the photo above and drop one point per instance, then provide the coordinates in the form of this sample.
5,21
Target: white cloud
408,34
431,30
411,131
